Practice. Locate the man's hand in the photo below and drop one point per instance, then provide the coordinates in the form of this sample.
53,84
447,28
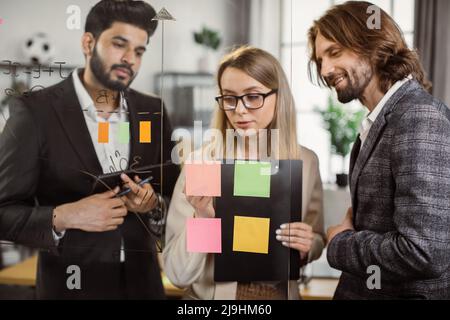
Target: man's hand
98,213
346,224
141,199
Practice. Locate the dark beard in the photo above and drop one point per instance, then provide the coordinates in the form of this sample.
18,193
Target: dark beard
104,77
355,88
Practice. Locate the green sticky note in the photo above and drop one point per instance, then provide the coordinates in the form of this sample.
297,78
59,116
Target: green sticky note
124,132
252,179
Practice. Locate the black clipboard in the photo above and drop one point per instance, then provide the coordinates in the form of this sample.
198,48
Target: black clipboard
284,205
105,182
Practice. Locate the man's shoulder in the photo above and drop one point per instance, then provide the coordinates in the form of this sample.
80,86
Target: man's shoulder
39,100
145,97
36,96
418,115
417,103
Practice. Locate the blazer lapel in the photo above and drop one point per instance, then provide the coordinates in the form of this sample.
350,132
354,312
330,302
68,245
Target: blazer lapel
374,133
366,150
136,148
354,154
72,120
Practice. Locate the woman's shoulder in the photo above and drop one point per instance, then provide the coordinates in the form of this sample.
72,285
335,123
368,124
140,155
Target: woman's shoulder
307,154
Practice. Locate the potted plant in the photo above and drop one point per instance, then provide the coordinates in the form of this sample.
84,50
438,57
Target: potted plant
343,127
209,40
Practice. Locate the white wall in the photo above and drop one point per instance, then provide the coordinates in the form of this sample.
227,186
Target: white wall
21,18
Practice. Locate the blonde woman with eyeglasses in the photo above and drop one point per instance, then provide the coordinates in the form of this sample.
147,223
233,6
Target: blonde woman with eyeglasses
254,95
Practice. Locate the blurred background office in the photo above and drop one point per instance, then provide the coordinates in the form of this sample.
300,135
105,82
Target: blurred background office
180,64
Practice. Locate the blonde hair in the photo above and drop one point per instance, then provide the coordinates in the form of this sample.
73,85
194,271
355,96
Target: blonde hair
265,68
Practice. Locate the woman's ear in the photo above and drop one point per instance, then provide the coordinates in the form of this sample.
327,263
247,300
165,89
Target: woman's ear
87,43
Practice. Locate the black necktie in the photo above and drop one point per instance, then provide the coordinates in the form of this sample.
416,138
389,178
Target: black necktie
354,154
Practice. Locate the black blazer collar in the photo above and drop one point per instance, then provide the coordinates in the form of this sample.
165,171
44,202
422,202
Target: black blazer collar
71,118
72,121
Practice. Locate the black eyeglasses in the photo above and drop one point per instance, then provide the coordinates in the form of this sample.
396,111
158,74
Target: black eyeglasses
251,101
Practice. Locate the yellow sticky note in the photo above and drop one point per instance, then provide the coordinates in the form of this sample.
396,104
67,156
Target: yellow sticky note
145,132
251,234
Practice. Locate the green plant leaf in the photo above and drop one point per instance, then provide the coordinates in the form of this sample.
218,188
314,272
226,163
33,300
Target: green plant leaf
208,38
342,124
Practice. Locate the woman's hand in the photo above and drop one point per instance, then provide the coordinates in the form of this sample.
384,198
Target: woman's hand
203,205
296,235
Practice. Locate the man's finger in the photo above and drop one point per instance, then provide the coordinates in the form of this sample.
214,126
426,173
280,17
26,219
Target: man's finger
131,184
115,202
109,194
110,228
116,221
149,194
119,212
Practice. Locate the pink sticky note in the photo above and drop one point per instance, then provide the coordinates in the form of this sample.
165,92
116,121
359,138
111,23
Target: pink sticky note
203,179
204,235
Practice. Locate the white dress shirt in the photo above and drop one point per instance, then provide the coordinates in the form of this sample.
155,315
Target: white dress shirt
372,116
111,155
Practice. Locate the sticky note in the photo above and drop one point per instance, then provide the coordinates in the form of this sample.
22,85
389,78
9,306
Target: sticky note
124,133
252,179
203,179
145,131
103,132
204,235
251,234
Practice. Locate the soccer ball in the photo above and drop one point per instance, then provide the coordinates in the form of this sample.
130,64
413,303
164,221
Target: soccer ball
38,49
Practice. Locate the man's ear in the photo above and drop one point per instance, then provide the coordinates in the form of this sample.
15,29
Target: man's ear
87,43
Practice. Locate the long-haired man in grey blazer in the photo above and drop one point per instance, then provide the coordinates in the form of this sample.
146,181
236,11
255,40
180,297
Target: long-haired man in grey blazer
394,241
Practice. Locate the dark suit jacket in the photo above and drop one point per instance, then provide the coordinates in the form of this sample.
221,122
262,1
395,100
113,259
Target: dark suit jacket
400,187
45,146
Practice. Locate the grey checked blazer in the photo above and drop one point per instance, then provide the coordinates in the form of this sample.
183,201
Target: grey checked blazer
400,187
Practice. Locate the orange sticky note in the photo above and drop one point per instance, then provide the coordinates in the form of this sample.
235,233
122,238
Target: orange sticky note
145,132
251,234
203,179
103,132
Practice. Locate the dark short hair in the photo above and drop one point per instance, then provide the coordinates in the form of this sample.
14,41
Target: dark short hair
106,12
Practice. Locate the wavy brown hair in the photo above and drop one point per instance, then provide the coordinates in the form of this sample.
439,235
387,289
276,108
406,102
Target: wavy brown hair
385,48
